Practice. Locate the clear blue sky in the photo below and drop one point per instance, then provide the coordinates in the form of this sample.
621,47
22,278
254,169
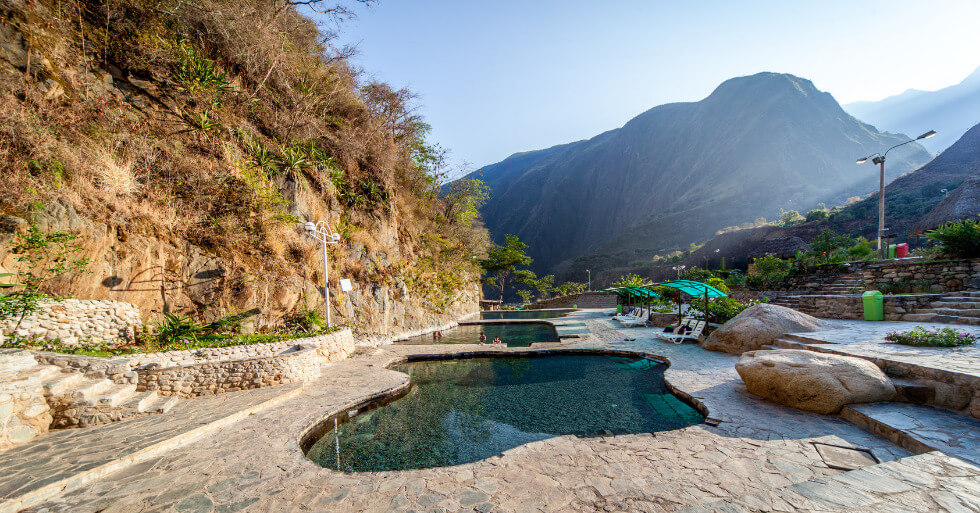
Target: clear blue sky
501,77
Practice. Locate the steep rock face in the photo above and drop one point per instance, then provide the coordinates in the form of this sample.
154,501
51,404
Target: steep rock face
821,383
164,273
678,172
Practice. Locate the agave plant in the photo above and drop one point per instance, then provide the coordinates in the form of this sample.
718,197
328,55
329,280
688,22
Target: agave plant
7,285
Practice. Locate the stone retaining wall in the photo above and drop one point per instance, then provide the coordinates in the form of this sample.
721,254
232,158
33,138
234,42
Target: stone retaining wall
583,300
300,363
909,276
75,320
118,370
852,306
217,369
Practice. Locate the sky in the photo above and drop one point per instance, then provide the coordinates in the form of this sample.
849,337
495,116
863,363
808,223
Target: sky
496,78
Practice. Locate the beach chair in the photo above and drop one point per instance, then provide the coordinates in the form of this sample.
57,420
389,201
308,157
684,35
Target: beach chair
640,320
696,331
686,322
632,316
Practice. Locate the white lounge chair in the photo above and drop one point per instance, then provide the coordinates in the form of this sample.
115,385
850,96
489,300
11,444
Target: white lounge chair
640,320
697,329
632,316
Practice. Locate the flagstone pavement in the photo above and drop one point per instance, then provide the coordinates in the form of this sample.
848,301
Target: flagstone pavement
747,462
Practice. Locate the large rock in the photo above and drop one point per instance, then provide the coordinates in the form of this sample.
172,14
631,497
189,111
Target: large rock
759,326
817,382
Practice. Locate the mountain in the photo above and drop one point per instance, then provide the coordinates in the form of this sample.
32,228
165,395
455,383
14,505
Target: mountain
950,111
678,172
907,199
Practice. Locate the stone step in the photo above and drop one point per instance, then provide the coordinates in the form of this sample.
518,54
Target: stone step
911,391
957,312
114,395
62,383
959,305
162,404
91,388
14,361
140,402
945,319
40,373
959,299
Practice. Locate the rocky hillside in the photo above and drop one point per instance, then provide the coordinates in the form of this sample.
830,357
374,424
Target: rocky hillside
951,111
678,172
185,142
907,199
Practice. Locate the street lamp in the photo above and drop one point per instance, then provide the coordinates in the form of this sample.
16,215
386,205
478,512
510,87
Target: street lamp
679,268
321,232
590,279
879,158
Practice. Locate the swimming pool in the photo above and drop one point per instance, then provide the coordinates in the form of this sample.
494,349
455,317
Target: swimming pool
524,314
513,334
465,410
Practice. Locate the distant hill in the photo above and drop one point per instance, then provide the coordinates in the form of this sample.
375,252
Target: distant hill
679,172
907,199
950,111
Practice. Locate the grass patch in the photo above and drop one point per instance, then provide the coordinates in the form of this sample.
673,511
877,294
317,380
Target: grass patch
923,337
108,350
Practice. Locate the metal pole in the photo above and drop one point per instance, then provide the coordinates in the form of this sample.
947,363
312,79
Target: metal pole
326,282
881,209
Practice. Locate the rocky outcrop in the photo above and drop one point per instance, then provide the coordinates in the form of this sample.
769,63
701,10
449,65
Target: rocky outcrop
758,326
817,382
160,272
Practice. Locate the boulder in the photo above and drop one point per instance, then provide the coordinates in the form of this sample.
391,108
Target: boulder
759,326
817,382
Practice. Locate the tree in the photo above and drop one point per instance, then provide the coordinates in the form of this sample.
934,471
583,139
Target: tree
629,280
42,258
526,295
789,217
828,241
816,215
463,199
503,261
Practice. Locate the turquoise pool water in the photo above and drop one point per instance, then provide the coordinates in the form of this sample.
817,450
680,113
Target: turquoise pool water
524,314
461,411
514,335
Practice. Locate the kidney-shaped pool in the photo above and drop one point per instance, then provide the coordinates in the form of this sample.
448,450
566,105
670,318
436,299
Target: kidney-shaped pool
465,410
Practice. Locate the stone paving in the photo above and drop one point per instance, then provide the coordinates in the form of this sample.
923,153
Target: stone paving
952,433
866,338
68,457
256,464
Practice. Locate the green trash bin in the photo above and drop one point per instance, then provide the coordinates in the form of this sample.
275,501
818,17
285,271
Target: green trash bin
892,248
619,309
874,305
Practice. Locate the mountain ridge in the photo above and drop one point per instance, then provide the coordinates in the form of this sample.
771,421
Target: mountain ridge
699,165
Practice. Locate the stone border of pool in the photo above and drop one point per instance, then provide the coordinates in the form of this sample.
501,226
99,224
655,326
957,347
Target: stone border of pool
318,428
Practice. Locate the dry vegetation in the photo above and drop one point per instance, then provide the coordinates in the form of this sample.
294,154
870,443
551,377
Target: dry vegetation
221,123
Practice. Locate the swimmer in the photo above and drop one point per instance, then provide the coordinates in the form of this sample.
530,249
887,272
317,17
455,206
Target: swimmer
483,338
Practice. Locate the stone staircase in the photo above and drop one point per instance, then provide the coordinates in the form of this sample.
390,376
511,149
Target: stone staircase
74,399
952,308
844,284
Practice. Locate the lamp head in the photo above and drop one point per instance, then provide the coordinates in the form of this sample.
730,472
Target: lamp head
335,236
862,160
926,135
309,226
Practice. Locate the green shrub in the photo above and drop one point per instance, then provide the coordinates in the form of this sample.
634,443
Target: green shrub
816,215
942,337
960,239
723,309
196,72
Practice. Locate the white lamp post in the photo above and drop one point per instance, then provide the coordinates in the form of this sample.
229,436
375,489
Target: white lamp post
879,158
321,232
590,278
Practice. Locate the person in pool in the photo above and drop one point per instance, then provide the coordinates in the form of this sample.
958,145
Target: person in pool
483,338
497,341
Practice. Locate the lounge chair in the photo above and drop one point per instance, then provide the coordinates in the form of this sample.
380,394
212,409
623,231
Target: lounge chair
640,320
632,316
697,329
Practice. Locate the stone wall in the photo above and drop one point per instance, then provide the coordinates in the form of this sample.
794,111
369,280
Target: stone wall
910,276
300,363
235,367
24,414
76,320
583,300
852,307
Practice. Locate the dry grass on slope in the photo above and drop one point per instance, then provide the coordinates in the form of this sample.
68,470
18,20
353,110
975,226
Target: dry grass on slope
216,122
